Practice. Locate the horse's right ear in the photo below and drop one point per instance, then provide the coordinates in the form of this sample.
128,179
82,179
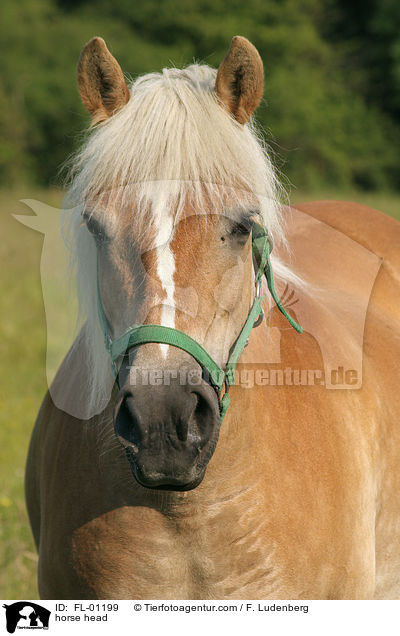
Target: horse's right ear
101,83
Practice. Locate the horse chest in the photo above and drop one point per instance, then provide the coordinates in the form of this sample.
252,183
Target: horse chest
170,558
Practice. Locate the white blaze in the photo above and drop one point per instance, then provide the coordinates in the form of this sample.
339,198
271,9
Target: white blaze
165,264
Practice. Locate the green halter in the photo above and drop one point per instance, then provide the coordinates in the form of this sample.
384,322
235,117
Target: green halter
138,335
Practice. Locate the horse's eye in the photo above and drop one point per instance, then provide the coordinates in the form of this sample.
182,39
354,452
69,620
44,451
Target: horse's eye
95,228
242,228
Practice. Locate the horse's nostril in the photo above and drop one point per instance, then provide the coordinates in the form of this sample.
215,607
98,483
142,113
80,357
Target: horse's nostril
201,419
126,421
203,407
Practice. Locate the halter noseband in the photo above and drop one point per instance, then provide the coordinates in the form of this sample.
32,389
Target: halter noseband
143,334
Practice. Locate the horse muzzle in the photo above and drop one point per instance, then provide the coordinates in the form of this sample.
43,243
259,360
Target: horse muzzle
169,432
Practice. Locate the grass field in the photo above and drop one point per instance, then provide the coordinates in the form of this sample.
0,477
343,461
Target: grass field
22,372
22,386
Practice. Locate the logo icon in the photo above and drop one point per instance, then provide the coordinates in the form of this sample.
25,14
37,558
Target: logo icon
26,615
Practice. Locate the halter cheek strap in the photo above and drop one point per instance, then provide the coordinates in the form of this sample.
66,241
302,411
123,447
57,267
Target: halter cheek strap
143,334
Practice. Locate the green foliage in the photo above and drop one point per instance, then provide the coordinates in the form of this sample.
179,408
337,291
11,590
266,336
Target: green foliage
332,77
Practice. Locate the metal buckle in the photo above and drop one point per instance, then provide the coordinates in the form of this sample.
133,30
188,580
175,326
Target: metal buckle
260,316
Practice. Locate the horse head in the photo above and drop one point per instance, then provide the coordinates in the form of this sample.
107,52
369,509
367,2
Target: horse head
171,181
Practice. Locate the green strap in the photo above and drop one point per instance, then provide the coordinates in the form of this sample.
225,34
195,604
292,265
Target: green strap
262,248
145,334
223,405
103,319
242,338
271,286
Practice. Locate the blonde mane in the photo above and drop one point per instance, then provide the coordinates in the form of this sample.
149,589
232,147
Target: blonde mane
172,140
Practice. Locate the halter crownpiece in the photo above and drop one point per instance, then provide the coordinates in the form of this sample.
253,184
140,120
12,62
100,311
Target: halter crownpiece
143,334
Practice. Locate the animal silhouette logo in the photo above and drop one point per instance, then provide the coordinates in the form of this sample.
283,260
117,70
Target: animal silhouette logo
330,302
26,615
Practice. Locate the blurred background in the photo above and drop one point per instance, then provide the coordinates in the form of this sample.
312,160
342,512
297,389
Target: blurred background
331,116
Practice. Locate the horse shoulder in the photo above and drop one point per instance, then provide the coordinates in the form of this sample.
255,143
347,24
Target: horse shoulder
379,396
34,467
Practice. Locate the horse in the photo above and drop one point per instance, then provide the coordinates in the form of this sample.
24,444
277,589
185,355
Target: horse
142,480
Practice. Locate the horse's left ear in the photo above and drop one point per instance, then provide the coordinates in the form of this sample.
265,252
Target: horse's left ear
240,79
101,83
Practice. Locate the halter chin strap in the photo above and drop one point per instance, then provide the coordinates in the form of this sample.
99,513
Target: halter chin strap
143,334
